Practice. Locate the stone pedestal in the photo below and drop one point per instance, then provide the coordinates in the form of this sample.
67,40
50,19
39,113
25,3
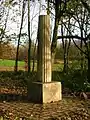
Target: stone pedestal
45,92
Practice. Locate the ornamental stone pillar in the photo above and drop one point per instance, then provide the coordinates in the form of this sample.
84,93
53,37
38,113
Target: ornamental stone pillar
44,49
44,90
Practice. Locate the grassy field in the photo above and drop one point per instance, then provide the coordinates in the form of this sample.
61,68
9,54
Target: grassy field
9,65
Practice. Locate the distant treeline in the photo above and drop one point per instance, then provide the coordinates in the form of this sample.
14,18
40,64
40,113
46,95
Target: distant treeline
8,51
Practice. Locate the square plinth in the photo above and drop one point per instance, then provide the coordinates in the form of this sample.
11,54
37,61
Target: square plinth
45,92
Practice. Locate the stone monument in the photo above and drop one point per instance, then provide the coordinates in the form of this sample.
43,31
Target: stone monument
44,90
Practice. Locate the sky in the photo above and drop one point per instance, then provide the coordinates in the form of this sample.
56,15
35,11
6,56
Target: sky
14,19
36,9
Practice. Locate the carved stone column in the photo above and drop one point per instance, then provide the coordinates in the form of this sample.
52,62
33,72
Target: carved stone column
44,49
44,90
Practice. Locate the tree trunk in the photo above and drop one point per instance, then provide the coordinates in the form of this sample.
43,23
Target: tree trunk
58,14
65,57
88,72
82,57
81,44
17,53
33,66
54,40
29,46
68,32
68,54
5,26
64,43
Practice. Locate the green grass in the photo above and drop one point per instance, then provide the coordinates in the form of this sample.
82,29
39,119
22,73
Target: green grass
57,67
10,63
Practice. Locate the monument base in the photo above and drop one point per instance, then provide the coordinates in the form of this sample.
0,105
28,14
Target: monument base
44,92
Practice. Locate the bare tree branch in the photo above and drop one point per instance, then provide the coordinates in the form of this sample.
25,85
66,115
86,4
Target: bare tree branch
69,36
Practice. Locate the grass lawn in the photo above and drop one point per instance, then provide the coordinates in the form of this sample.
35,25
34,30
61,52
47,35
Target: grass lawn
10,63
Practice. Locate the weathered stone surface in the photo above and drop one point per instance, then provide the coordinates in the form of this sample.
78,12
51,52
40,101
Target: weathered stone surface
45,92
52,92
44,50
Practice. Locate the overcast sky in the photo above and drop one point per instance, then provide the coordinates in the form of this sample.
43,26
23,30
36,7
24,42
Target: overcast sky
36,9
14,19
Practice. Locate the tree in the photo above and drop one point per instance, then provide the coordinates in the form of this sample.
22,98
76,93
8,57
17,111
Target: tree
3,27
85,4
17,53
66,44
7,51
29,45
82,21
61,10
60,7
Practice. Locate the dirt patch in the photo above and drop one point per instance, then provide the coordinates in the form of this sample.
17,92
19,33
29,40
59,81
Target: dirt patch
11,68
